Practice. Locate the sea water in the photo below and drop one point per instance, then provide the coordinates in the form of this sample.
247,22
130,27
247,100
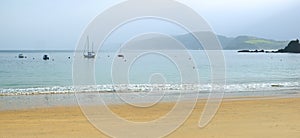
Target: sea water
247,74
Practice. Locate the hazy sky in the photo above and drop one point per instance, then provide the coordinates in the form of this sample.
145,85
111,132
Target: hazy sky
58,24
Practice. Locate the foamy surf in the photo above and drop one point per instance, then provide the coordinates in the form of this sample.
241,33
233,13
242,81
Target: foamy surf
125,88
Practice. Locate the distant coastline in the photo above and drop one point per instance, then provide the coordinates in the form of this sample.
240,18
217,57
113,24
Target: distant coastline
292,47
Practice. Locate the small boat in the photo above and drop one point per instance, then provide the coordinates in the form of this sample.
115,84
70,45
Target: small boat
21,56
87,53
121,56
46,57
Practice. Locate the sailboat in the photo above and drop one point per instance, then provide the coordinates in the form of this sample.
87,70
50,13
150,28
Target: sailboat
87,53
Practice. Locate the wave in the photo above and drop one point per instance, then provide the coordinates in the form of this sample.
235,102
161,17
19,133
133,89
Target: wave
125,88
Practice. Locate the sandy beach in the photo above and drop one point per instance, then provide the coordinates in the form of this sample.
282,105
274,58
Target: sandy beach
235,118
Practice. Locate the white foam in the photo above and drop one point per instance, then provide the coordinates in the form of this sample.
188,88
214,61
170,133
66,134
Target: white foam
230,88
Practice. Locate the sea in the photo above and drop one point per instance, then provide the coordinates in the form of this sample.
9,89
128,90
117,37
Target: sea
32,82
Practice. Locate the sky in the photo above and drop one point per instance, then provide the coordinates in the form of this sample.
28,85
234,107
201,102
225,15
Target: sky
58,24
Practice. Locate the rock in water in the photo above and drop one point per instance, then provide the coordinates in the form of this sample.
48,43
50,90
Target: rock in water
293,47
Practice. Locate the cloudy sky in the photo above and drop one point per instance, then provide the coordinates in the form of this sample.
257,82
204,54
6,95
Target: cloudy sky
58,24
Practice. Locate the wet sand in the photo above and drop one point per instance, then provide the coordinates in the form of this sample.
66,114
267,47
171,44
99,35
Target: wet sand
235,118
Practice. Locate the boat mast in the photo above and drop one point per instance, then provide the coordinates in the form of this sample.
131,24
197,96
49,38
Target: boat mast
86,47
88,43
92,46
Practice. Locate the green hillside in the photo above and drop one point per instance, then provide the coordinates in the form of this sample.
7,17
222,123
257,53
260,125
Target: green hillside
237,43
228,43
248,42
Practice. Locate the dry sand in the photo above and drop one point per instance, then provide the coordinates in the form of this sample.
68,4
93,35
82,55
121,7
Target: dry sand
247,118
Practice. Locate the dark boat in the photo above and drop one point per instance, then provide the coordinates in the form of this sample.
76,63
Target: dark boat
121,56
46,57
21,56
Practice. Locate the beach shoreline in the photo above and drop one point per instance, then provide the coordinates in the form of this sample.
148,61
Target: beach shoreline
252,117
45,100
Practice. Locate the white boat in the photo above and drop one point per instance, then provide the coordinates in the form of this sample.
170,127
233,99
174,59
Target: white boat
87,53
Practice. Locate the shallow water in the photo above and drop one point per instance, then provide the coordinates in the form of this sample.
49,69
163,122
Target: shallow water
244,72
247,74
